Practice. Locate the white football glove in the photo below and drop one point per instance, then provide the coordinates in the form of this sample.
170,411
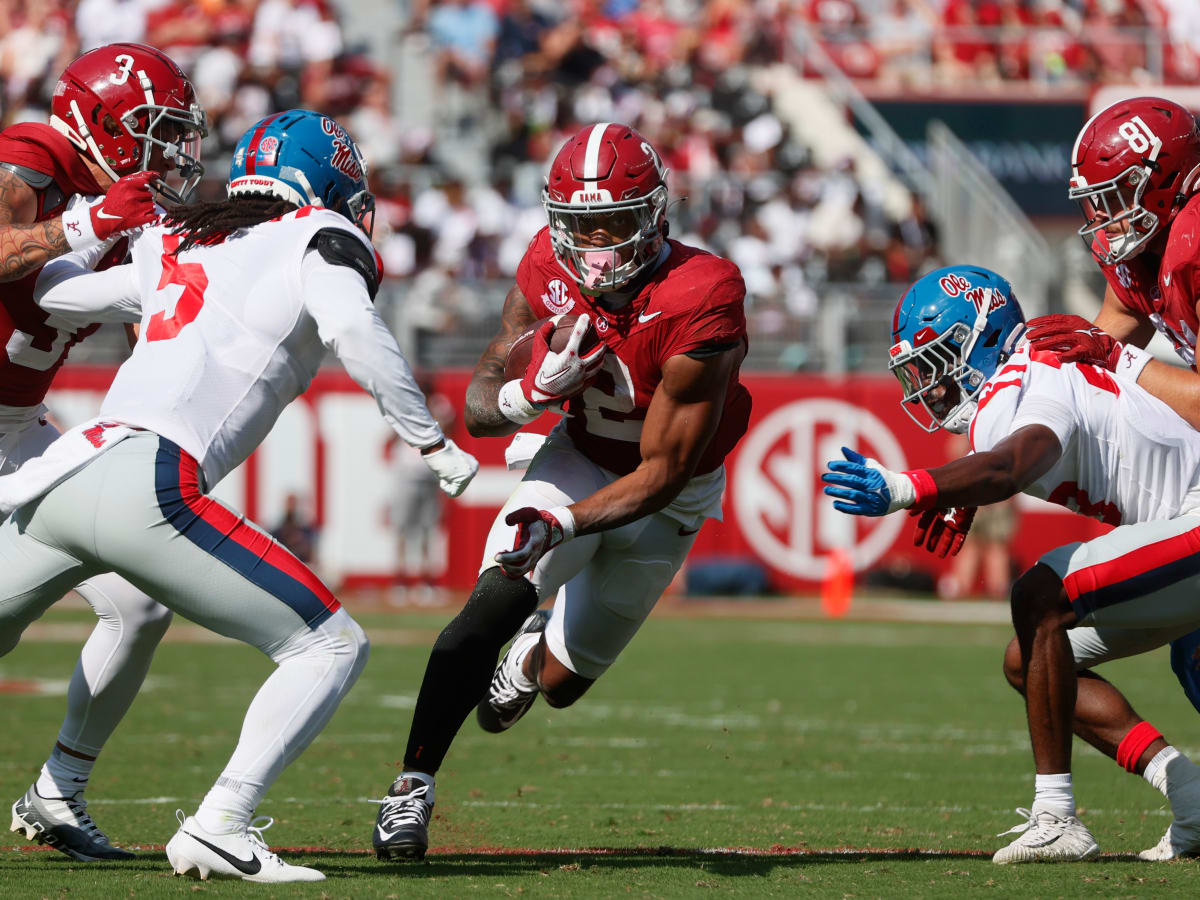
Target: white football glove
453,467
552,377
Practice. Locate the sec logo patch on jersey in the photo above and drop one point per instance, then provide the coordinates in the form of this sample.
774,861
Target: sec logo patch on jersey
557,297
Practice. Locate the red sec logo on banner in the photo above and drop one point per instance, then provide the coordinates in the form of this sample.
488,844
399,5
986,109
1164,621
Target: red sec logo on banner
786,520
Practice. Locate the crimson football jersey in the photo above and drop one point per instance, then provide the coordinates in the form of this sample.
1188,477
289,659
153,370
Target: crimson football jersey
1165,287
693,299
33,347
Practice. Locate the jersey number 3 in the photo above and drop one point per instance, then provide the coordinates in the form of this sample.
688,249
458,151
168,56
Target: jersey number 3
194,281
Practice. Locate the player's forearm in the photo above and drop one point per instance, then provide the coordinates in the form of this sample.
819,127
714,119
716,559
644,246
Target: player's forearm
26,248
976,480
646,490
481,413
991,476
1177,387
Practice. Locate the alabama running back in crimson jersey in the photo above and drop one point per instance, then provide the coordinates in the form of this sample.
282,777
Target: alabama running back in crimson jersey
693,299
612,500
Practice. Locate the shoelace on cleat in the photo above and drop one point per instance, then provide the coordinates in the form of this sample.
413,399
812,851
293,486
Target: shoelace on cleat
407,809
83,820
254,834
505,692
1032,828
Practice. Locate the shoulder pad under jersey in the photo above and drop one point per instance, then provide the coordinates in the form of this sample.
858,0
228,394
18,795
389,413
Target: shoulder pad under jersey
340,248
32,177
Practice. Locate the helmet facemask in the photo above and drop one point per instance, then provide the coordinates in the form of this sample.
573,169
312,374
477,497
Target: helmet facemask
937,380
604,246
177,133
360,209
1117,201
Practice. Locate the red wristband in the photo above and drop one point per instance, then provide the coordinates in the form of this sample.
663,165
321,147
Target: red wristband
1134,744
925,487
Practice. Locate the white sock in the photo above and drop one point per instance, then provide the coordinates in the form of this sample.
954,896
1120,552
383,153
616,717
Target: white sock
1054,794
64,775
228,806
1156,769
523,645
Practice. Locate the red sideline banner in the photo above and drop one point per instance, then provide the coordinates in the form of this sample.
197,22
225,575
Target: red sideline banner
332,451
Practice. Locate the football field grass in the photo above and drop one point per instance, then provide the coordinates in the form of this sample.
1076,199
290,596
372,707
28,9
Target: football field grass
726,757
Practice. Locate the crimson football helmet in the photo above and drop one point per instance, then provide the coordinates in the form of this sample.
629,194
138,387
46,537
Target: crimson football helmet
120,101
606,199
1137,162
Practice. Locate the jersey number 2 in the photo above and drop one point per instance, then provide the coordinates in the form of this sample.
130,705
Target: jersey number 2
194,281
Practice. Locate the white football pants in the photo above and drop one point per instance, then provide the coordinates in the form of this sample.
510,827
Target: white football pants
606,584
140,510
117,655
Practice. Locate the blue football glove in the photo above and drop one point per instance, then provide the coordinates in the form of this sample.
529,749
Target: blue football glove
865,487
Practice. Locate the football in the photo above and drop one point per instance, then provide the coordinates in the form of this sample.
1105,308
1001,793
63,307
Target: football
521,350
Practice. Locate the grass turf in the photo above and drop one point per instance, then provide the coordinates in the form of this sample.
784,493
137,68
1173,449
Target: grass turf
749,758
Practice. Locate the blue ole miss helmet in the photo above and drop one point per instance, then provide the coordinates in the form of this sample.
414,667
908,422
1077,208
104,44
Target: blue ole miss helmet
305,158
952,330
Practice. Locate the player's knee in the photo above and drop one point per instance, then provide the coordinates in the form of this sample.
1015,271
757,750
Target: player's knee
355,647
1013,670
560,687
9,638
1037,596
495,610
562,695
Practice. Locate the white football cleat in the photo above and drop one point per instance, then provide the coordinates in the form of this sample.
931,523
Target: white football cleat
1047,837
1182,837
241,854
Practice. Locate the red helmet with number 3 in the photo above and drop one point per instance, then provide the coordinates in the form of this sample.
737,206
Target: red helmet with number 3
606,198
119,102
1135,162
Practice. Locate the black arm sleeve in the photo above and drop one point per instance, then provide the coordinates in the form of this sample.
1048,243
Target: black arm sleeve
339,248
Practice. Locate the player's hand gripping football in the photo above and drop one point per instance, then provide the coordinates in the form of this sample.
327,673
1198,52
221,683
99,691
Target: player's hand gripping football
453,467
538,532
552,377
864,487
943,531
129,204
1074,339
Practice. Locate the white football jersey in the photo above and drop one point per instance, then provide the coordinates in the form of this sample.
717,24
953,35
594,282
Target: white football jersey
232,333
1127,457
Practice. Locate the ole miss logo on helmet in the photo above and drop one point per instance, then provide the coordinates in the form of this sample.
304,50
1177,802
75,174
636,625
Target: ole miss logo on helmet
955,284
344,159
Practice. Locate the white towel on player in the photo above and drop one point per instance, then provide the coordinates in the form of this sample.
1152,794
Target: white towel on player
72,451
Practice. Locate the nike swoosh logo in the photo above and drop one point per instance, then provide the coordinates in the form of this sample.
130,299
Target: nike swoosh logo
684,532
250,866
1167,280
101,214
646,318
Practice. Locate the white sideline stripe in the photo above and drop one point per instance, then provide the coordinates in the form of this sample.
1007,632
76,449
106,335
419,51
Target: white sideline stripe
591,158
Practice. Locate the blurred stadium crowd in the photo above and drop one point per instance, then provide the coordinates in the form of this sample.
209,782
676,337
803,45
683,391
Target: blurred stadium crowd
459,190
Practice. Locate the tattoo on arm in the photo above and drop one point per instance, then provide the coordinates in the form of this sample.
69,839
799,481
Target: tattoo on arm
482,393
25,247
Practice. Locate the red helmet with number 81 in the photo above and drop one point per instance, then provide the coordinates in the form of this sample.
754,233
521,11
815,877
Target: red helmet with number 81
606,198
1133,166
120,102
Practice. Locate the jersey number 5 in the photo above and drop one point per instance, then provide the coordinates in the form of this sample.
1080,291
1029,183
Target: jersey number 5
194,281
